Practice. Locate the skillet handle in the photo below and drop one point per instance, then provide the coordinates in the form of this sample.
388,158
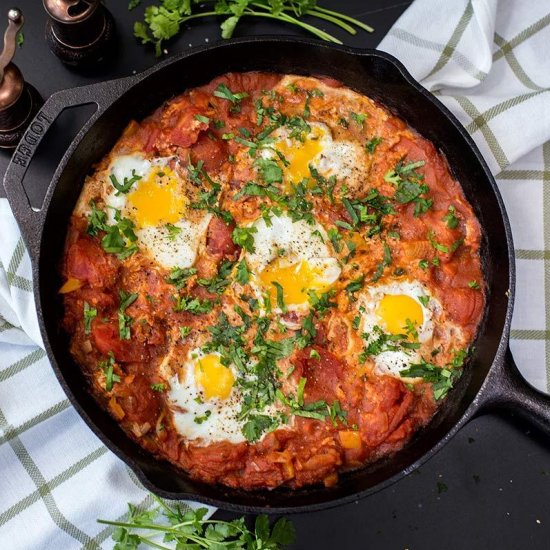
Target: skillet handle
29,219
505,388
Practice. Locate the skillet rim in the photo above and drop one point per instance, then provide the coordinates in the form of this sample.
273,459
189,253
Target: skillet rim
126,83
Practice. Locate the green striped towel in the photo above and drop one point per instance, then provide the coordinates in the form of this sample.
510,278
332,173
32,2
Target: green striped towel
490,67
488,61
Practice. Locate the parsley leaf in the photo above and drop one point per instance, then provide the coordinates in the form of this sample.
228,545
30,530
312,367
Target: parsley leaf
193,305
386,261
126,185
89,315
107,367
124,320
410,185
271,172
243,236
372,144
243,274
450,218
179,275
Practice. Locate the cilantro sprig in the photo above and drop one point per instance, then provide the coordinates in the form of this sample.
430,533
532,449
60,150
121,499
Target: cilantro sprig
189,528
164,20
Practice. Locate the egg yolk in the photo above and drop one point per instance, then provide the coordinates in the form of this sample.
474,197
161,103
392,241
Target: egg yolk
395,309
216,379
300,154
156,200
295,279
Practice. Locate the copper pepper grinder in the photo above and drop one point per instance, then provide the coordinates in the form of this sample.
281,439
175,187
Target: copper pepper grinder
79,32
19,101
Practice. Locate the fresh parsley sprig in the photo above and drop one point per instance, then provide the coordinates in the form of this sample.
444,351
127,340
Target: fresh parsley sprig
163,21
185,528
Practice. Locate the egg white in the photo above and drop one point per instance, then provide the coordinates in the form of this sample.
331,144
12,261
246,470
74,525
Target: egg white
344,159
292,242
393,362
177,249
186,399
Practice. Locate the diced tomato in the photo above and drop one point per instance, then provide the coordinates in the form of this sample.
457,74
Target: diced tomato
213,152
219,241
87,261
106,338
323,371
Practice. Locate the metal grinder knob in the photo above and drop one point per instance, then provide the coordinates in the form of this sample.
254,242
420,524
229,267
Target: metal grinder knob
19,101
79,32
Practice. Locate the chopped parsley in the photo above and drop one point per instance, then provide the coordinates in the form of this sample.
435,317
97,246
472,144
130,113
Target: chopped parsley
474,285
223,92
107,367
243,274
243,236
372,144
159,387
438,246
89,315
386,261
126,185
270,171
184,332
358,118
202,118
173,231
202,418
193,305
441,378
217,284
410,186
124,320
280,297
179,275
450,219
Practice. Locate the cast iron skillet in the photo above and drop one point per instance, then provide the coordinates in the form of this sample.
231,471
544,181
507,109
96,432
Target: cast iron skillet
491,378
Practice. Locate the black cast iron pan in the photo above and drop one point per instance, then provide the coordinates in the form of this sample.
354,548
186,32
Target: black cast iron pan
491,378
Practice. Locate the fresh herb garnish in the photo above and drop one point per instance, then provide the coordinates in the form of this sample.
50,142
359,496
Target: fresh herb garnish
193,305
173,231
179,275
107,367
189,530
158,387
126,185
358,118
270,171
164,21
217,284
450,219
184,332
474,285
372,144
386,261
410,186
90,314
124,320
243,236
441,378
243,274
280,296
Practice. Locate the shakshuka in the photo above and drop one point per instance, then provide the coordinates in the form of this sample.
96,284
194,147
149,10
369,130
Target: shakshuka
272,280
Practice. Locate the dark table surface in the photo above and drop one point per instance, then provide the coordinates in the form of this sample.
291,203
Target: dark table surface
487,489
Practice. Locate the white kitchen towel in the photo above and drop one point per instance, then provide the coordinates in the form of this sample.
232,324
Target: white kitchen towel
489,62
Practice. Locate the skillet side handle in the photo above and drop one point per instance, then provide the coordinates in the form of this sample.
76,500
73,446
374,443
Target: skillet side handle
505,388
30,220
